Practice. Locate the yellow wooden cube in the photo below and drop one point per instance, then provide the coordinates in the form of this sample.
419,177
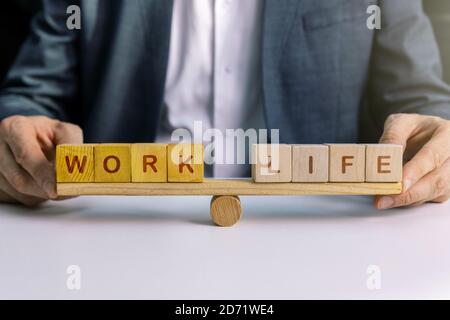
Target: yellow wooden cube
149,162
112,163
75,163
185,162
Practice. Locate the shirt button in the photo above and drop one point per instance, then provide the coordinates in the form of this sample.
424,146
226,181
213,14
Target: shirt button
227,69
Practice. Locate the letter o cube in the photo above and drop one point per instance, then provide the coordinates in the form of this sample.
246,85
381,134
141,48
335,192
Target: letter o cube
112,163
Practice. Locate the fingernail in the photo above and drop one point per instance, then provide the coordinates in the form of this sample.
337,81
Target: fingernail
407,184
385,203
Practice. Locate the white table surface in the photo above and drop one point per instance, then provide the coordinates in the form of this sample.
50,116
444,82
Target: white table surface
167,248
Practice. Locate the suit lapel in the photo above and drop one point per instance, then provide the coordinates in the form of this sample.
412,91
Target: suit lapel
156,16
278,18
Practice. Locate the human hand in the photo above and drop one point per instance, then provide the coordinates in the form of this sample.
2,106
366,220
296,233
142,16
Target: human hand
27,153
426,174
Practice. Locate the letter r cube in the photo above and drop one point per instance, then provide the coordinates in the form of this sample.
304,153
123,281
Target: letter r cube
149,162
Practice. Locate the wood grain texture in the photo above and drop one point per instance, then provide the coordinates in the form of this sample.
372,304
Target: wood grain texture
74,163
310,163
185,163
225,211
271,163
112,162
347,162
241,187
384,163
148,162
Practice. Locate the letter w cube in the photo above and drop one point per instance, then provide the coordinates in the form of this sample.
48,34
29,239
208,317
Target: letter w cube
75,163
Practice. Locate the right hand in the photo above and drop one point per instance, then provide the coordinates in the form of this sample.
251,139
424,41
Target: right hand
27,153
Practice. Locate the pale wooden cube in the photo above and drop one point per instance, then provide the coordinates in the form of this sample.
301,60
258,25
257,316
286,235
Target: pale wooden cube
384,163
347,162
310,163
271,163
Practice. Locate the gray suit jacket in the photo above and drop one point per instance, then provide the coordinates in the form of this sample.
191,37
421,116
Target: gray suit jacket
323,70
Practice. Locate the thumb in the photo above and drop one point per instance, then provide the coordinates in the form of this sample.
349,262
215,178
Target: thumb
67,133
398,128
61,133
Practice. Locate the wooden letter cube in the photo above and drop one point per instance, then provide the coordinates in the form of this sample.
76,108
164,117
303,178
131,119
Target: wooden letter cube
149,162
185,162
310,163
347,162
271,163
75,163
112,163
384,163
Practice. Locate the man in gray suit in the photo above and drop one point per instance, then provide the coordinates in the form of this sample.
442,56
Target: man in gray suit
138,69
439,13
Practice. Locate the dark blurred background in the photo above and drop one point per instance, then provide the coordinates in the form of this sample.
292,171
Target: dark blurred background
15,18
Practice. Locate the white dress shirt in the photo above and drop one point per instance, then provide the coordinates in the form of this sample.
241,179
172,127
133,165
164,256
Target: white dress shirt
214,71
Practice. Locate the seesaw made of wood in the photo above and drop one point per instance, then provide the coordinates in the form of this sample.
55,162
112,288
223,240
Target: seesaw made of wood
225,205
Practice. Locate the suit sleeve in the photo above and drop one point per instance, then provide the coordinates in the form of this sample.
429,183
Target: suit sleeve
43,79
406,70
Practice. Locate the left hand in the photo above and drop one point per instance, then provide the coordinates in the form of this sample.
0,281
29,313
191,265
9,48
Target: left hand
426,175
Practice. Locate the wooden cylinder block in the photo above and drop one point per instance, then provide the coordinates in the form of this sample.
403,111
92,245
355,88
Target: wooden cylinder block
226,210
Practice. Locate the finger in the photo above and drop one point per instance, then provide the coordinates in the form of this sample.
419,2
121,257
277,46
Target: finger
398,128
62,133
431,157
5,198
22,140
10,195
16,176
441,199
434,186
67,133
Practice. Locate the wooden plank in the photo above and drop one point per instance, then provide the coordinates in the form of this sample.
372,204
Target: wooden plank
240,187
